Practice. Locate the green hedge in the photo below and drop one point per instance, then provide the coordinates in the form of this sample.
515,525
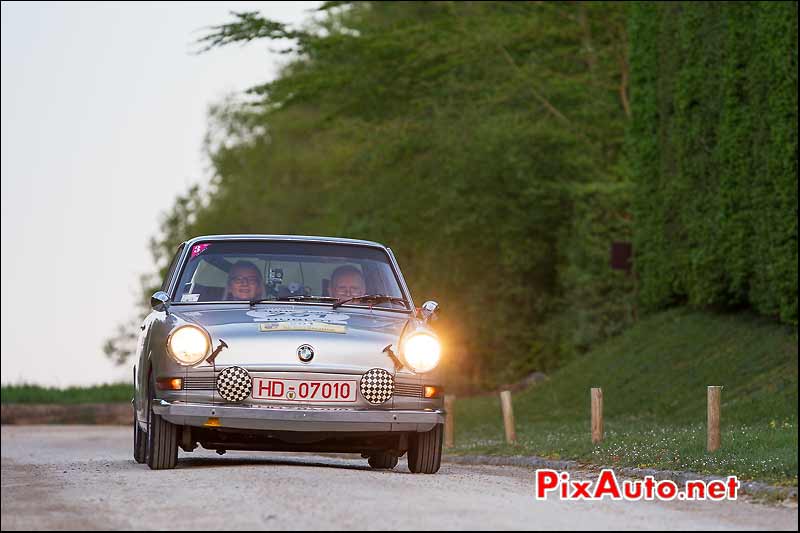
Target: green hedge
713,152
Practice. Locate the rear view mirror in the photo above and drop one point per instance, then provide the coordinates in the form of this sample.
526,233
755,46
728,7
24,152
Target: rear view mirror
160,301
430,310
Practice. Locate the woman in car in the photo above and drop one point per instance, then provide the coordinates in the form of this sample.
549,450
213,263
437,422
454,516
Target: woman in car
244,282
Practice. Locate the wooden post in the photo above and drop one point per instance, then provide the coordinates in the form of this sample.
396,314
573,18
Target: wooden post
597,415
714,439
449,428
508,416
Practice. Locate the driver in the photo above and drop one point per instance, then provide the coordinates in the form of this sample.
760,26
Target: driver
347,282
245,282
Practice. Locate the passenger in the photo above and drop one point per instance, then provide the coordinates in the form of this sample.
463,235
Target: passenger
347,282
245,282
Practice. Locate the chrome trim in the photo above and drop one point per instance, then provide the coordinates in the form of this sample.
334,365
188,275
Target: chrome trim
299,418
408,390
200,383
274,237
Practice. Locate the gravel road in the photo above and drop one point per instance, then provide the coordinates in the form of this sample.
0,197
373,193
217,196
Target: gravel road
83,477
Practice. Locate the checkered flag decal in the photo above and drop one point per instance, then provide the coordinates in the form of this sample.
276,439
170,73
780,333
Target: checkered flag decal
377,386
234,384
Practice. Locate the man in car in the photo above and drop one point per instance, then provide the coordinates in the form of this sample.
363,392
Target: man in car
347,282
245,282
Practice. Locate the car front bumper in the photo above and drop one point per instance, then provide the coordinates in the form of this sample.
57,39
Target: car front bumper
297,418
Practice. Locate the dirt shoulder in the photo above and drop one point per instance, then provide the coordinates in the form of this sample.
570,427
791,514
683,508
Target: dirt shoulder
79,413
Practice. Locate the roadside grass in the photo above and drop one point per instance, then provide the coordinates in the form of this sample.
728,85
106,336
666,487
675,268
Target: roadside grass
654,380
25,393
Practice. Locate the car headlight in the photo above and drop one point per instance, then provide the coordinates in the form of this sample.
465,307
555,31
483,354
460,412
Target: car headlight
422,352
188,345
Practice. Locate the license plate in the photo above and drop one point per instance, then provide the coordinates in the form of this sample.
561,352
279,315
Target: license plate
305,390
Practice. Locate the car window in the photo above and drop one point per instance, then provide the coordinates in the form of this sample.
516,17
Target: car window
273,270
171,269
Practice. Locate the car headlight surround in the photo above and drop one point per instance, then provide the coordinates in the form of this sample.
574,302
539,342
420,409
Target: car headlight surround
188,344
422,352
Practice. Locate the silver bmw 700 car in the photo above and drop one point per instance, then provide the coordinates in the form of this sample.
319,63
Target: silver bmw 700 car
287,343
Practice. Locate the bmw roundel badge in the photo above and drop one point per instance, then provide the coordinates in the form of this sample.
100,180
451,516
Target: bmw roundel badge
305,352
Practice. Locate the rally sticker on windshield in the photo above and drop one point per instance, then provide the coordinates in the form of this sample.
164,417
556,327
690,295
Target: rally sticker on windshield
198,249
300,325
295,315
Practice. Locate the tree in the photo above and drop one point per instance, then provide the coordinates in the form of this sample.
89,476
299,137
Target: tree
481,141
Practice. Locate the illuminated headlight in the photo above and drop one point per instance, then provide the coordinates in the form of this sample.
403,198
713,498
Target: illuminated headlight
188,345
422,352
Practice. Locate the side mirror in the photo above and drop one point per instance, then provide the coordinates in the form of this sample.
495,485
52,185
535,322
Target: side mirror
429,310
160,301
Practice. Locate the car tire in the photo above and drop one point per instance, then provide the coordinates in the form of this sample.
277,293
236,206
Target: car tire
139,441
425,451
162,439
382,461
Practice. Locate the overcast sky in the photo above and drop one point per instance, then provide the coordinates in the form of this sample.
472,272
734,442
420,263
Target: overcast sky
103,117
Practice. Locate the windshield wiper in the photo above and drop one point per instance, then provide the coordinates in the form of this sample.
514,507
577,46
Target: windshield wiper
375,298
290,298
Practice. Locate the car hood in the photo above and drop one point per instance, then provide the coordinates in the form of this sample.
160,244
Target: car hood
344,340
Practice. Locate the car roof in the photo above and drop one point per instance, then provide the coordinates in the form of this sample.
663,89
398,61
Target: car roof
296,238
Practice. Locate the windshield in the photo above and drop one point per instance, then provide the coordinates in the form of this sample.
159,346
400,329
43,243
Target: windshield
235,271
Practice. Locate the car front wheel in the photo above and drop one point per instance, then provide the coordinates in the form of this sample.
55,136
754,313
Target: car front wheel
162,439
425,451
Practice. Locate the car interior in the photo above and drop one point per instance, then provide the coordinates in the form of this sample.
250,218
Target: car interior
206,280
